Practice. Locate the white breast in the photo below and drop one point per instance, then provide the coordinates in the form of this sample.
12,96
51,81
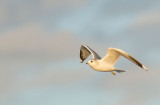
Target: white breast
102,66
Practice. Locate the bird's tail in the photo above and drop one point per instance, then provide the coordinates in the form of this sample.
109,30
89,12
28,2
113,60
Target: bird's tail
120,71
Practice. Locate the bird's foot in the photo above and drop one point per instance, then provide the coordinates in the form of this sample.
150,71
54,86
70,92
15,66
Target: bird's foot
113,73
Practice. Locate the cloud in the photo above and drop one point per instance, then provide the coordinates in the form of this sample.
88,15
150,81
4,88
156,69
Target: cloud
146,20
144,30
32,39
54,3
33,56
135,86
28,51
3,14
46,11
31,45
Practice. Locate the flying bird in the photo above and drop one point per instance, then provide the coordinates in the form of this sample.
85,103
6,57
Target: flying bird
106,64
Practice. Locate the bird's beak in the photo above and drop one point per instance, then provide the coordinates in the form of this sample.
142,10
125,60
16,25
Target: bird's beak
87,63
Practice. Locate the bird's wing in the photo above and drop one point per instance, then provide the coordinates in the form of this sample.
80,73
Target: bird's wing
114,54
85,51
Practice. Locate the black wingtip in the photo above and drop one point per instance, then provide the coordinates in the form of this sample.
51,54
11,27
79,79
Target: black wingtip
137,62
81,57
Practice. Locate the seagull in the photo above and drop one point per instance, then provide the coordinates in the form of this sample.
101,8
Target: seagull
106,64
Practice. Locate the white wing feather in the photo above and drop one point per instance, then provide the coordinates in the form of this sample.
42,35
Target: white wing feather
114,54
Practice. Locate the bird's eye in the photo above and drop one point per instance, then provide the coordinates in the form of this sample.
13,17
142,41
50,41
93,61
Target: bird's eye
91,61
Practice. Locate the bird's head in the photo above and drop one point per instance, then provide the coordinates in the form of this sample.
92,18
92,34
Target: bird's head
91,62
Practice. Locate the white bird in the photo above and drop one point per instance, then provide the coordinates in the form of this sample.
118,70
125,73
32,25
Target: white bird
107,63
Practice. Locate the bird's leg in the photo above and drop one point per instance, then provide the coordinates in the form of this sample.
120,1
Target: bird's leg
113,73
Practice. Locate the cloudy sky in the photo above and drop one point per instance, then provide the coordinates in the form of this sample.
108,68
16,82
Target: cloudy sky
39,51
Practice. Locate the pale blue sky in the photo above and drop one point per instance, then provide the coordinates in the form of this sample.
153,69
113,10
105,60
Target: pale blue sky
40,41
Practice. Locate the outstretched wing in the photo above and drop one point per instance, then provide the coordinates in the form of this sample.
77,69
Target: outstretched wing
114,54
85,51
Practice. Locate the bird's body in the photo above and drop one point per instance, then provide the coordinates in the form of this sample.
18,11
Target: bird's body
99,65
106,64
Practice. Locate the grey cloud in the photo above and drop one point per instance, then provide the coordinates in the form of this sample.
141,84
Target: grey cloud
146,20
31,46
145,30
27,51
20,12
32,39
53,3
138,87
31,53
